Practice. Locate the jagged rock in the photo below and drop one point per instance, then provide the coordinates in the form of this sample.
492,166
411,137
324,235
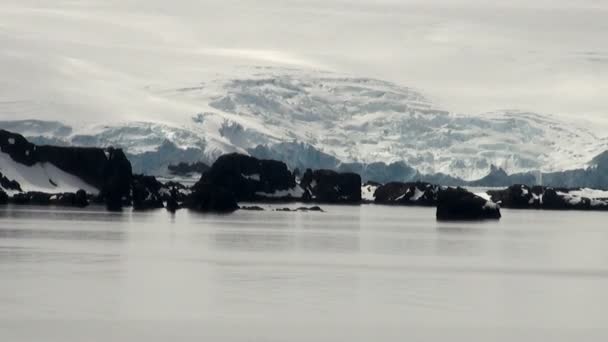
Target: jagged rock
8,184
146,193
173,200
419,193
455,204
212,198
108,170
538,197
328,186
517,196
174,191
246,176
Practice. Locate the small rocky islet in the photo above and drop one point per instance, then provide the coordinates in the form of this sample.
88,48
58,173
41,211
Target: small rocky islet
237,178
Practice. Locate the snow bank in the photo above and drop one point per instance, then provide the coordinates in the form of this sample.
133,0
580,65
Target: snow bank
43,177
367,192
254,177
296,192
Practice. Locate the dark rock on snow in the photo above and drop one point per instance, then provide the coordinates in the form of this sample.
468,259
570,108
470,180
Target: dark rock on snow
212,198
109,170
326,186
245,176
539,197
454,204
146,193
8,184
419,193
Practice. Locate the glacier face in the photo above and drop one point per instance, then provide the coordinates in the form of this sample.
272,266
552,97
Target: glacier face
320,119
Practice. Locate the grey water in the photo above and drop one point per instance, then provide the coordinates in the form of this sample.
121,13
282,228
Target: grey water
367,273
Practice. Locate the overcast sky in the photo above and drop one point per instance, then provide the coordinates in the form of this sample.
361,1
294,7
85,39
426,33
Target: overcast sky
97,57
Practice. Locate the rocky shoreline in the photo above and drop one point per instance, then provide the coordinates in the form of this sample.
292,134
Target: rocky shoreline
236,178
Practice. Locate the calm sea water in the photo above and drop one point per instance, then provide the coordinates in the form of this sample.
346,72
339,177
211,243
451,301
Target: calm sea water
364,273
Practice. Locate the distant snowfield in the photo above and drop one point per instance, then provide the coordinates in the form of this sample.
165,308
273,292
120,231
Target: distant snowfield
134,74
39,176
352,119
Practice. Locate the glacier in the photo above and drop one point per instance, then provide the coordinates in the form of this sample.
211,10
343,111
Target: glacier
328,120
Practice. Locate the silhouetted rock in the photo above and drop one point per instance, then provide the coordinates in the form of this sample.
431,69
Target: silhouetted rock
517,196
419,193
173,199
108,170
146,193
248,178
8,184
326,186
539,197
212,198
454,204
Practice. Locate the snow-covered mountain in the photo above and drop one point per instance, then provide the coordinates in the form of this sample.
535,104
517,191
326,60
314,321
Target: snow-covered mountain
323,119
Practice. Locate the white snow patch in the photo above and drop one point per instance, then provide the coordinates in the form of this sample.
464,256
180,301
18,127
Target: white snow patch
484,195
490,205
367,192
417,195
570,198
296,192
39,176
255,177
590,193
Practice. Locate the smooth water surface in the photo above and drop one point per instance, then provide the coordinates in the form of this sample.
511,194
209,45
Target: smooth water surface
367,273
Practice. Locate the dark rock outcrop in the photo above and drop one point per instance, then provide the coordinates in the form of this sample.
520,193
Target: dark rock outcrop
146,193
212,198
8,184
108,170
517,196
246,177
548,198
419,194
78,199
326,186
455,204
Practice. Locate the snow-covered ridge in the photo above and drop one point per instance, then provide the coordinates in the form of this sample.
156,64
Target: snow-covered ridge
350,119
41,177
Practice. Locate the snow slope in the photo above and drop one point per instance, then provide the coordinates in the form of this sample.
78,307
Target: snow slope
43,177
351,119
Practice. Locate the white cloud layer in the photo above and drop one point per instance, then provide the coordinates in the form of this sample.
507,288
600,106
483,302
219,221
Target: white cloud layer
96,59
